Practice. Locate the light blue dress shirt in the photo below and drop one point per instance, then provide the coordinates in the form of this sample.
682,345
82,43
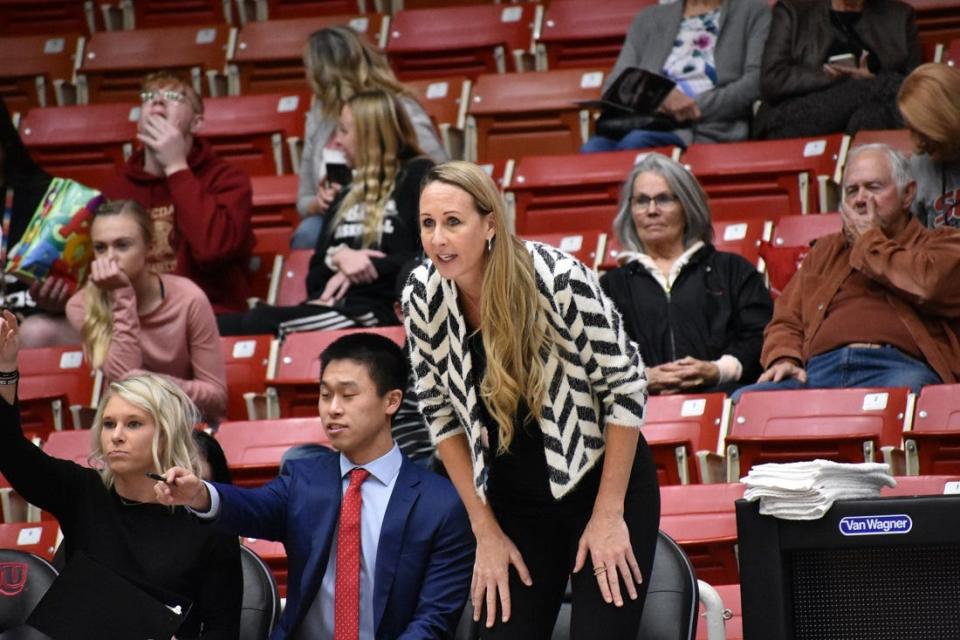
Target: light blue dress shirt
375,494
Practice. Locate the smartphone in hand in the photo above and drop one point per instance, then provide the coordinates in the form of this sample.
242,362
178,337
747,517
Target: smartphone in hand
847,60
338,173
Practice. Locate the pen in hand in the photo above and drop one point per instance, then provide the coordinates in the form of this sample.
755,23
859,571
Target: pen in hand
156,476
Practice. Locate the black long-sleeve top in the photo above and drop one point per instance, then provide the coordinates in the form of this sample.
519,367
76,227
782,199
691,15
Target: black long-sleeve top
400,241
718,305
169,553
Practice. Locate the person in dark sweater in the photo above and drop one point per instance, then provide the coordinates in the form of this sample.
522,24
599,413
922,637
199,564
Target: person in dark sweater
111,515
697,314
371,230
199,203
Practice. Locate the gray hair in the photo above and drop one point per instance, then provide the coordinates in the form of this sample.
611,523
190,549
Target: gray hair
698,225
899,165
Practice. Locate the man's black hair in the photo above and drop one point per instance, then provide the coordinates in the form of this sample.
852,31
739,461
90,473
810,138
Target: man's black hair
384,360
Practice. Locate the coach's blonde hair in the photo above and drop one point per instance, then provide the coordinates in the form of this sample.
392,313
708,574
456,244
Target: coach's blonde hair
382,133
173,413
516,334
97,328
340,63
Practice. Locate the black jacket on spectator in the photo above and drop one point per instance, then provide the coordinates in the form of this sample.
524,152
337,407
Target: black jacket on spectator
801,35
718,305
400,241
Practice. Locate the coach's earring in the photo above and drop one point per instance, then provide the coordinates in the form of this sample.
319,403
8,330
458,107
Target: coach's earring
490,244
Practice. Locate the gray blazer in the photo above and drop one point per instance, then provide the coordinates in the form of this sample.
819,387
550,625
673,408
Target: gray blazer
320,129
726,109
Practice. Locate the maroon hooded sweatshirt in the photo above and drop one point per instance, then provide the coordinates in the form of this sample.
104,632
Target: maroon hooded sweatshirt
201,222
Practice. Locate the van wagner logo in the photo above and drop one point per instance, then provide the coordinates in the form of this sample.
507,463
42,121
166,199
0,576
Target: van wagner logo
881,525
13,575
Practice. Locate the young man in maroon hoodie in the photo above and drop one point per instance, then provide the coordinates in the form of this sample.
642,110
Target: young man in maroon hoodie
200,204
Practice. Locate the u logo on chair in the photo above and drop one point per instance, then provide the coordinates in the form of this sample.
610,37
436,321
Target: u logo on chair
13,575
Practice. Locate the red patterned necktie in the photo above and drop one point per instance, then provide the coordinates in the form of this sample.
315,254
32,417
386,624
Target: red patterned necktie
346,616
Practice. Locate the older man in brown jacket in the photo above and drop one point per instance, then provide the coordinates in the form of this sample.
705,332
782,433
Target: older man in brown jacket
877,305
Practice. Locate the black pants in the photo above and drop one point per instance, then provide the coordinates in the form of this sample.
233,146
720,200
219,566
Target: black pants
548,544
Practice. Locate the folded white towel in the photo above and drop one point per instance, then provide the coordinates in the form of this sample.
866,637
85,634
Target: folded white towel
807,490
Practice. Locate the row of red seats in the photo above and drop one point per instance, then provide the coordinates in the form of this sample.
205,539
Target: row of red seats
267,56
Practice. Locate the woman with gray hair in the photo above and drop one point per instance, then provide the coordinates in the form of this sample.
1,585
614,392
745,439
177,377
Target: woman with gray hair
697,314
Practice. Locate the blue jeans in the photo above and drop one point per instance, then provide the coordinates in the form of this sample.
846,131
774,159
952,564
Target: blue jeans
307,233
856,367
636,139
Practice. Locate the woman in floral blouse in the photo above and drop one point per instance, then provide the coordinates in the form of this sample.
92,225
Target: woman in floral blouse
714,59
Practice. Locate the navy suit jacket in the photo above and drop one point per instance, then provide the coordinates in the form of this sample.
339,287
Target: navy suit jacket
424,559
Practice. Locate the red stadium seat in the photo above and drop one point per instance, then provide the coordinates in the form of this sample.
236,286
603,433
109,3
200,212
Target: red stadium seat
291,285
74,445
274,554
46,17
933,443
732,613
551,194
899,139
251,131
246,359
254,447
701,518
938,21
677,428
447,41
844,425
800,231
36,68
39,538
277,9
445,101
115,62
12,506
520,114
52,380
742,237
275,201
87,143
579,34
923,486
146,14
269,55
772,177
585,246
271,246
951,55
293,388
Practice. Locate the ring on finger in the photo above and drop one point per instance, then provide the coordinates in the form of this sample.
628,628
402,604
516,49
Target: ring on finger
599,569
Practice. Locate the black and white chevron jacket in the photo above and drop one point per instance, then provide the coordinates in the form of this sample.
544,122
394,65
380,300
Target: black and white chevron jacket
595,372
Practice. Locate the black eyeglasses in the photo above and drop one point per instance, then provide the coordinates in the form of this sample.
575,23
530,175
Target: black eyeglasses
662,200
167,95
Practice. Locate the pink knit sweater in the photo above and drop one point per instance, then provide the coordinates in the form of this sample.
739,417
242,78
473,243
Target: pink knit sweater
179,339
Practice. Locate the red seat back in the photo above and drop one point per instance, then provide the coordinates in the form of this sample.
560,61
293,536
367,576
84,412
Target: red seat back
251,131
254,447
702,519
578,34
292,287
27,59
115,62
269,54
519,114
690,423
833,424
246,359
585,246
760,179
742,237
470,40
39,538
936,429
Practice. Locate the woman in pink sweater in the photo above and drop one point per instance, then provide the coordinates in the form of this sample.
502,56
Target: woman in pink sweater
134,320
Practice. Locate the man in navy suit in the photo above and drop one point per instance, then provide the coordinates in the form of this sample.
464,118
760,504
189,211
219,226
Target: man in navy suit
416,546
